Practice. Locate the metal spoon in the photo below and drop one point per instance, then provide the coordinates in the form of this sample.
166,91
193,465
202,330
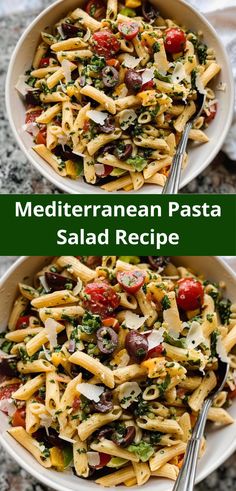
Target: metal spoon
173,179
187,474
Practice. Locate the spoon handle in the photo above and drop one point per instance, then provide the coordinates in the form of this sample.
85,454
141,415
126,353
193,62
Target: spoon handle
186,477
173,179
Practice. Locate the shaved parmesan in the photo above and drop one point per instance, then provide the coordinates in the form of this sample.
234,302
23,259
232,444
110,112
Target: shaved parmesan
61,32
133,321
78,287
131,61
46,421
51,329
67,439
44,284
99,169
155,338
128,393
87,35
31,128
92,392
5,355
22,86
63,140
46,353
78,153
7,406
173,334
199,84
93,458
98,117
178,74
147,75
221,351
127,117
65,64
195,335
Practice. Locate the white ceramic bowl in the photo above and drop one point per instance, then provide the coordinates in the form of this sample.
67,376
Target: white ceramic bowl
220,442
184,14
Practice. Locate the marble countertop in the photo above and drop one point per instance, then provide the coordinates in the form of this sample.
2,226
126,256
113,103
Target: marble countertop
16,173
13,478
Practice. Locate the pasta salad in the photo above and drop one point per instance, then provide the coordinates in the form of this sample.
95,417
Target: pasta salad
107,361
110,91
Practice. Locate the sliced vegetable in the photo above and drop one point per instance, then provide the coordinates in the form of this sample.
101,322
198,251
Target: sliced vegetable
44,62
129,30
100,298
104,459
133,80
131,281
124,435
96,9
67,452
23,322
110,76
136,345
107,340
105,44
58,282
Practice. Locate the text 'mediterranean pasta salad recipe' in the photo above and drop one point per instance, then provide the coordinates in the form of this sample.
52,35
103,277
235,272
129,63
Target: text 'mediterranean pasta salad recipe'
107,361
110,91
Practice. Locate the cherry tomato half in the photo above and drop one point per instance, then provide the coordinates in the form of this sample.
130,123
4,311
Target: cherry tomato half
7,391
18,418
154,352
129,30
100,298
32,116
96,9
23,322
212,115
190,294
175,40
44,62
105,44
104,459
41,136
131,281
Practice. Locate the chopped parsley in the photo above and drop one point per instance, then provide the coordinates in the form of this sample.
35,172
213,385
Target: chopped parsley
90,323
166,304
223,307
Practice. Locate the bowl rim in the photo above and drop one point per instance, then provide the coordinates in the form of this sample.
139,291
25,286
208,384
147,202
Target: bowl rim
47,480
64,186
